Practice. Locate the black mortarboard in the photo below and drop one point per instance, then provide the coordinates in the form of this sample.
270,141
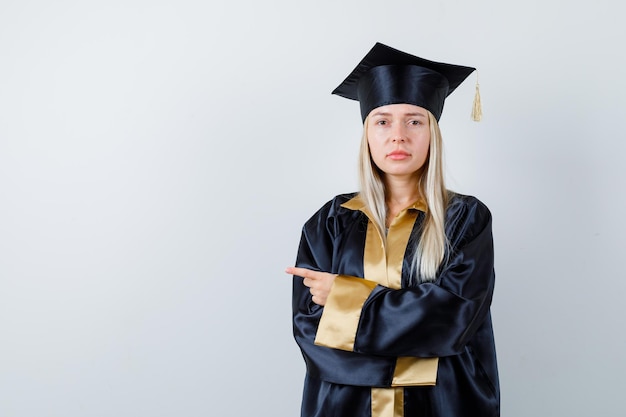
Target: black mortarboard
389,76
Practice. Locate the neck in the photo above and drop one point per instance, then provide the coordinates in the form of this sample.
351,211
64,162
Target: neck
401,191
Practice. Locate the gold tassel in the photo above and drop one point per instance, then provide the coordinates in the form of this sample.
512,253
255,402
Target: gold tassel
477,110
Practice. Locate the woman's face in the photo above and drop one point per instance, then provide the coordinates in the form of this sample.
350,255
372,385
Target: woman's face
399,138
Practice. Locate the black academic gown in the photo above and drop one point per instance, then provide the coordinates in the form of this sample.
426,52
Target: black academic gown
367,351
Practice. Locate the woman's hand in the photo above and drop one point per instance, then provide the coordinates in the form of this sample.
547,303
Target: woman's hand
319,283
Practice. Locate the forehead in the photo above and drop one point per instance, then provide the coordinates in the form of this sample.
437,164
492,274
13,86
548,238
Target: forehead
399,109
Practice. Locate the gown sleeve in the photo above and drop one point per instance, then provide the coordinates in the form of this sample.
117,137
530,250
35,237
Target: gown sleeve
428,320
318,251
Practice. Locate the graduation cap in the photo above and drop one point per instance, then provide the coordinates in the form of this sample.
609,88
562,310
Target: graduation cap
389,76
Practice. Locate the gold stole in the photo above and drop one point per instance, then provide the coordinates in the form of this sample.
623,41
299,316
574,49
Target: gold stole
383,264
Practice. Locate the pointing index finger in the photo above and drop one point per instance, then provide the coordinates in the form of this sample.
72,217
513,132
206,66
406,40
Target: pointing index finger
301,272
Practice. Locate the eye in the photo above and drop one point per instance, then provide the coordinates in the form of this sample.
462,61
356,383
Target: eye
415,122
381,122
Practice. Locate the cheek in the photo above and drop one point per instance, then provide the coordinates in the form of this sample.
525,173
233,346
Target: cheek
424,146
422,153
376,152
425,150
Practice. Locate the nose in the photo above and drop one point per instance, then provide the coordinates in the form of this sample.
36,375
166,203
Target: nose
398,134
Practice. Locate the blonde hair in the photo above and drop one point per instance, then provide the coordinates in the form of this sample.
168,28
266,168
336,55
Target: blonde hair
433,243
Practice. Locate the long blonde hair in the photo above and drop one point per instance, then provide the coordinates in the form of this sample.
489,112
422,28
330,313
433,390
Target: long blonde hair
433,244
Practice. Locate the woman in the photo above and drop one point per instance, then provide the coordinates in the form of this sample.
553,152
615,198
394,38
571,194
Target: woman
392,286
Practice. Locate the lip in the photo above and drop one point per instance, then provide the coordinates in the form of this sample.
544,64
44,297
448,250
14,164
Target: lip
398,155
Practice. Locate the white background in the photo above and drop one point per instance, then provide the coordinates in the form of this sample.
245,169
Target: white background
158,159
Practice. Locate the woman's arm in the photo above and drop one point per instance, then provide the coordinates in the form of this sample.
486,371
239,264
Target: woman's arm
429,320
316,252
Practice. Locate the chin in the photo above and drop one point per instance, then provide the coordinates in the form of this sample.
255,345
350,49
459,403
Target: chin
402,173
